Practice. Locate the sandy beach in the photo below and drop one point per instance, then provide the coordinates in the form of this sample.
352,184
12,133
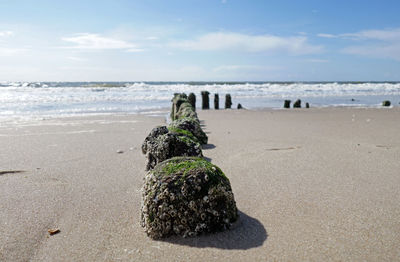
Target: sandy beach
310,184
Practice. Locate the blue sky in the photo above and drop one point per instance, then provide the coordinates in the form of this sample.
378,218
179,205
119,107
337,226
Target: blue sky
202,40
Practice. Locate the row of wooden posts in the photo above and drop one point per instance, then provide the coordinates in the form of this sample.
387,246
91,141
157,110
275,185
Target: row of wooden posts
206,100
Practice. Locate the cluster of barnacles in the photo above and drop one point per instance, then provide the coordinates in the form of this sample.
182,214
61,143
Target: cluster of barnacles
186,207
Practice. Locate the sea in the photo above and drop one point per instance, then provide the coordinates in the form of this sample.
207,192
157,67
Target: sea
42,100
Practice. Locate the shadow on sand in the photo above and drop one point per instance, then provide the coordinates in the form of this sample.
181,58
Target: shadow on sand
208,146
246,233
208,159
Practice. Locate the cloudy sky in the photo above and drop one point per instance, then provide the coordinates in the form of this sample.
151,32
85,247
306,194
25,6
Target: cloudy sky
199,40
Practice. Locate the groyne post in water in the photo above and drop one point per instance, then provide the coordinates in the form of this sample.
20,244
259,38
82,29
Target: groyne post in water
297,104
287,104
228,101
205,100
216,101
192,100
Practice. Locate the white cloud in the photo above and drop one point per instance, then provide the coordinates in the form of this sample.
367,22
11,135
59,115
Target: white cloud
375,43
135,50
232,68
88,41
380,35
75,58
4,51
296,45
386,50
6,33
327,35
317,60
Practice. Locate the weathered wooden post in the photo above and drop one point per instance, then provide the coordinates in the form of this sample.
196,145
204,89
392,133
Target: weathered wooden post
228,101
216,101
192,100
307,105
205,100
287,104
297,104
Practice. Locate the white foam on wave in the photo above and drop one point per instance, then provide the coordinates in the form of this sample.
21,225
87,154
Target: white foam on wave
56,99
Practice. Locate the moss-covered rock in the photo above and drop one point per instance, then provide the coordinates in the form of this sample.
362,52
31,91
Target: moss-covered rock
193,126
183,132
162,144
186,196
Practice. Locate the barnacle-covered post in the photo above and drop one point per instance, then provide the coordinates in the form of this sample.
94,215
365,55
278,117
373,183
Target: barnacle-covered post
177,101
205,100
191,125
216,101
185,110
228,101
192,100
163,143
186,196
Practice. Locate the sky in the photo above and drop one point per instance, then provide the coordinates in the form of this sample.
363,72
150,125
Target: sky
200,40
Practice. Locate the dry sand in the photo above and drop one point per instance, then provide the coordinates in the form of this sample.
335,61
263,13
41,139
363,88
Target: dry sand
311,185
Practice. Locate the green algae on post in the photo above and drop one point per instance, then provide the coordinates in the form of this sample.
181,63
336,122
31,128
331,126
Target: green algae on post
162,144
177,101
186,196
192,125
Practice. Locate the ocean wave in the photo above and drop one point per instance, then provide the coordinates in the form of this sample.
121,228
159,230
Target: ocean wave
69,98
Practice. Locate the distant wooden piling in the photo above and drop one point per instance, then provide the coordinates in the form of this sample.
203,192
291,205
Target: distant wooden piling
386,103
205,100
239,106
216,101
192,100
297,104
307,105
287,104
228,101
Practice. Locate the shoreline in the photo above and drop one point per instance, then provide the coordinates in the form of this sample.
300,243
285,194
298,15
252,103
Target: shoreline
164,112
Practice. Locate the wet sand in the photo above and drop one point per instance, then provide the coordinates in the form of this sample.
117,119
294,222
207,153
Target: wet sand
310,184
